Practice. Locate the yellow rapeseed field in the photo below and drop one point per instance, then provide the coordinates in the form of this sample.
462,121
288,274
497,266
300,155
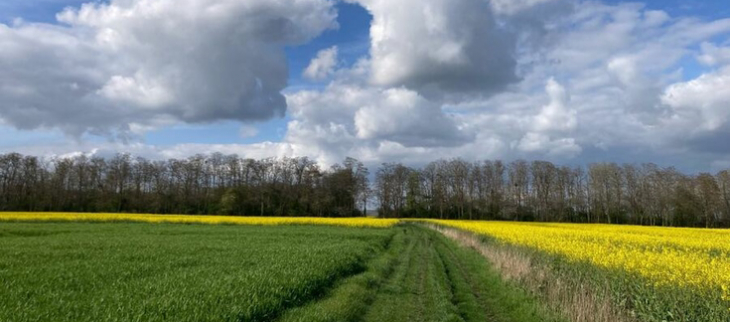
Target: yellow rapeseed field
185,219
666,256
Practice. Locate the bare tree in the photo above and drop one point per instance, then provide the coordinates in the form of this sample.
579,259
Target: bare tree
708,192
643,194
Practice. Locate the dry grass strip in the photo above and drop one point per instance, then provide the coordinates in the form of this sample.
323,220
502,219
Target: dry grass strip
575,300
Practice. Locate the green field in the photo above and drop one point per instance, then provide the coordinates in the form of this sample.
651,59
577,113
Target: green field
168,272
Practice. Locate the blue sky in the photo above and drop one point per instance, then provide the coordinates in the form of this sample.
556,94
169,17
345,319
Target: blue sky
407,101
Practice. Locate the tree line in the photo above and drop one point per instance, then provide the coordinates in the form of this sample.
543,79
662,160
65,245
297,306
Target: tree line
201,184
644,194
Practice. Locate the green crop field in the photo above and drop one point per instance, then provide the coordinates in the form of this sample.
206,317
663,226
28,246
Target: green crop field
171,272
147,272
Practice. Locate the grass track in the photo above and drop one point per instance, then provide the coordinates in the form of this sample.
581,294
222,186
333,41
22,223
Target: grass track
423,276
453,284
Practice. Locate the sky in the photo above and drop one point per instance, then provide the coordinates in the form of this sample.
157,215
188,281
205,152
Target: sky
568,81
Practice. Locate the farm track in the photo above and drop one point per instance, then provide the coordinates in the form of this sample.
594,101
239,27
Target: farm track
419,289
428,278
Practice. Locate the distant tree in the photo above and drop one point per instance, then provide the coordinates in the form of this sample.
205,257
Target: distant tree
228,203
645,194
723,180
708,193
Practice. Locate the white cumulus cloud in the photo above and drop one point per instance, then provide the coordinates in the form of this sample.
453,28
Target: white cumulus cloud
109,65
323,65
440,48
704,100
556,116
570,81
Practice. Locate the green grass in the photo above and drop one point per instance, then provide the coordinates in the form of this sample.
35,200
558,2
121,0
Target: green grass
351,298
424,277
440,281
166,272
145,272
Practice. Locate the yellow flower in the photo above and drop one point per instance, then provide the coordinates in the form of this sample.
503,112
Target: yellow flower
698,258
348,222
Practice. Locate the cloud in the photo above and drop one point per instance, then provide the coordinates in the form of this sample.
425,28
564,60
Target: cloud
713,55
592,87
564,80
111,66
513,7
369,115
540,143
248,131
443,49
138,91
556,116
617,61
323,65
703,101
403,116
